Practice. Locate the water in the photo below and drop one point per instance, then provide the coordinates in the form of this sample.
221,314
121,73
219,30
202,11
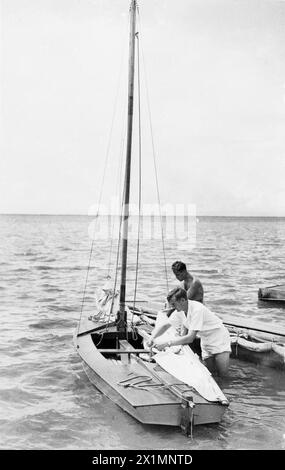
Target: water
46,400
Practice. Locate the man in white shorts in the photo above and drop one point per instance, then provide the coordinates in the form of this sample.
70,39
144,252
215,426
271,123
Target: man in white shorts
191,319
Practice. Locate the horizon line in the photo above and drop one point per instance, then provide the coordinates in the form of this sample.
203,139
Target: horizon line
156,215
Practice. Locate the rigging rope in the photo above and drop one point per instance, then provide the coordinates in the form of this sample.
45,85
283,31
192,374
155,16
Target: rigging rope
116,268
118,253
119,176
155,167
140,184
118,185
102,185
140,174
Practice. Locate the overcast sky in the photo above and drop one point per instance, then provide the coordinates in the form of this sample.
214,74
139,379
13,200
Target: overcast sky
216,82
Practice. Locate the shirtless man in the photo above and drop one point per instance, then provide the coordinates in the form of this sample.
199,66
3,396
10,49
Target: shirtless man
191,284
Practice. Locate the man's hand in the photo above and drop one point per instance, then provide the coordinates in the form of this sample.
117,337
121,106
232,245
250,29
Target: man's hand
162,346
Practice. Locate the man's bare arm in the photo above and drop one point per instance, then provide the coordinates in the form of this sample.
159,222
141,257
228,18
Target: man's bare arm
158,331
195,291
180,340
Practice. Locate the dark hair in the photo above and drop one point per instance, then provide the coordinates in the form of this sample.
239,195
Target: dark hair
179,266
178,293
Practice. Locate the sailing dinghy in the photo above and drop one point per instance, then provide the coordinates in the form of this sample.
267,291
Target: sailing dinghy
272,294
171,387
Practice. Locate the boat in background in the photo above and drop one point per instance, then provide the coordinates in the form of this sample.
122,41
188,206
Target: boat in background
273,294
257,342
110,342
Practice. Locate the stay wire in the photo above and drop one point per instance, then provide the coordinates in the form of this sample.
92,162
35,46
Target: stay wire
140,175
118,245
117,258
102,186
116,268
118,250
155,167
119,180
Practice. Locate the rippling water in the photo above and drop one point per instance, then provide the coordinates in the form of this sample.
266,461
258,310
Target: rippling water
46,400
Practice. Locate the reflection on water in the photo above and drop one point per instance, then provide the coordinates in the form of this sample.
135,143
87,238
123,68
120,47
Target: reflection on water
46,400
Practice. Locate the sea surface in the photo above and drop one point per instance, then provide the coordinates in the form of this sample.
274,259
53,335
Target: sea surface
47,401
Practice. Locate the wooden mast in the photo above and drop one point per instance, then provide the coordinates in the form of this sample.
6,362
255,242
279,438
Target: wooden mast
121,321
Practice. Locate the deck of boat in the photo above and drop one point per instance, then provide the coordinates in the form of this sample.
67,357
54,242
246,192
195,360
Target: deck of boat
143,389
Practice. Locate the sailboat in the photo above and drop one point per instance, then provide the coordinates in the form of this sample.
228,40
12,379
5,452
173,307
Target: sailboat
170,387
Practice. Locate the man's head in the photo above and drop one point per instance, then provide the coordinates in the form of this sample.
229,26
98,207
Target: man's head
179,270
177,298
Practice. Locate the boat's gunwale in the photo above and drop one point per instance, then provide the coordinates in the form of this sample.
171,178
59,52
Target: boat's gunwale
140,411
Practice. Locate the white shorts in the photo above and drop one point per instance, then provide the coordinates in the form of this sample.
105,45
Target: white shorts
215,341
